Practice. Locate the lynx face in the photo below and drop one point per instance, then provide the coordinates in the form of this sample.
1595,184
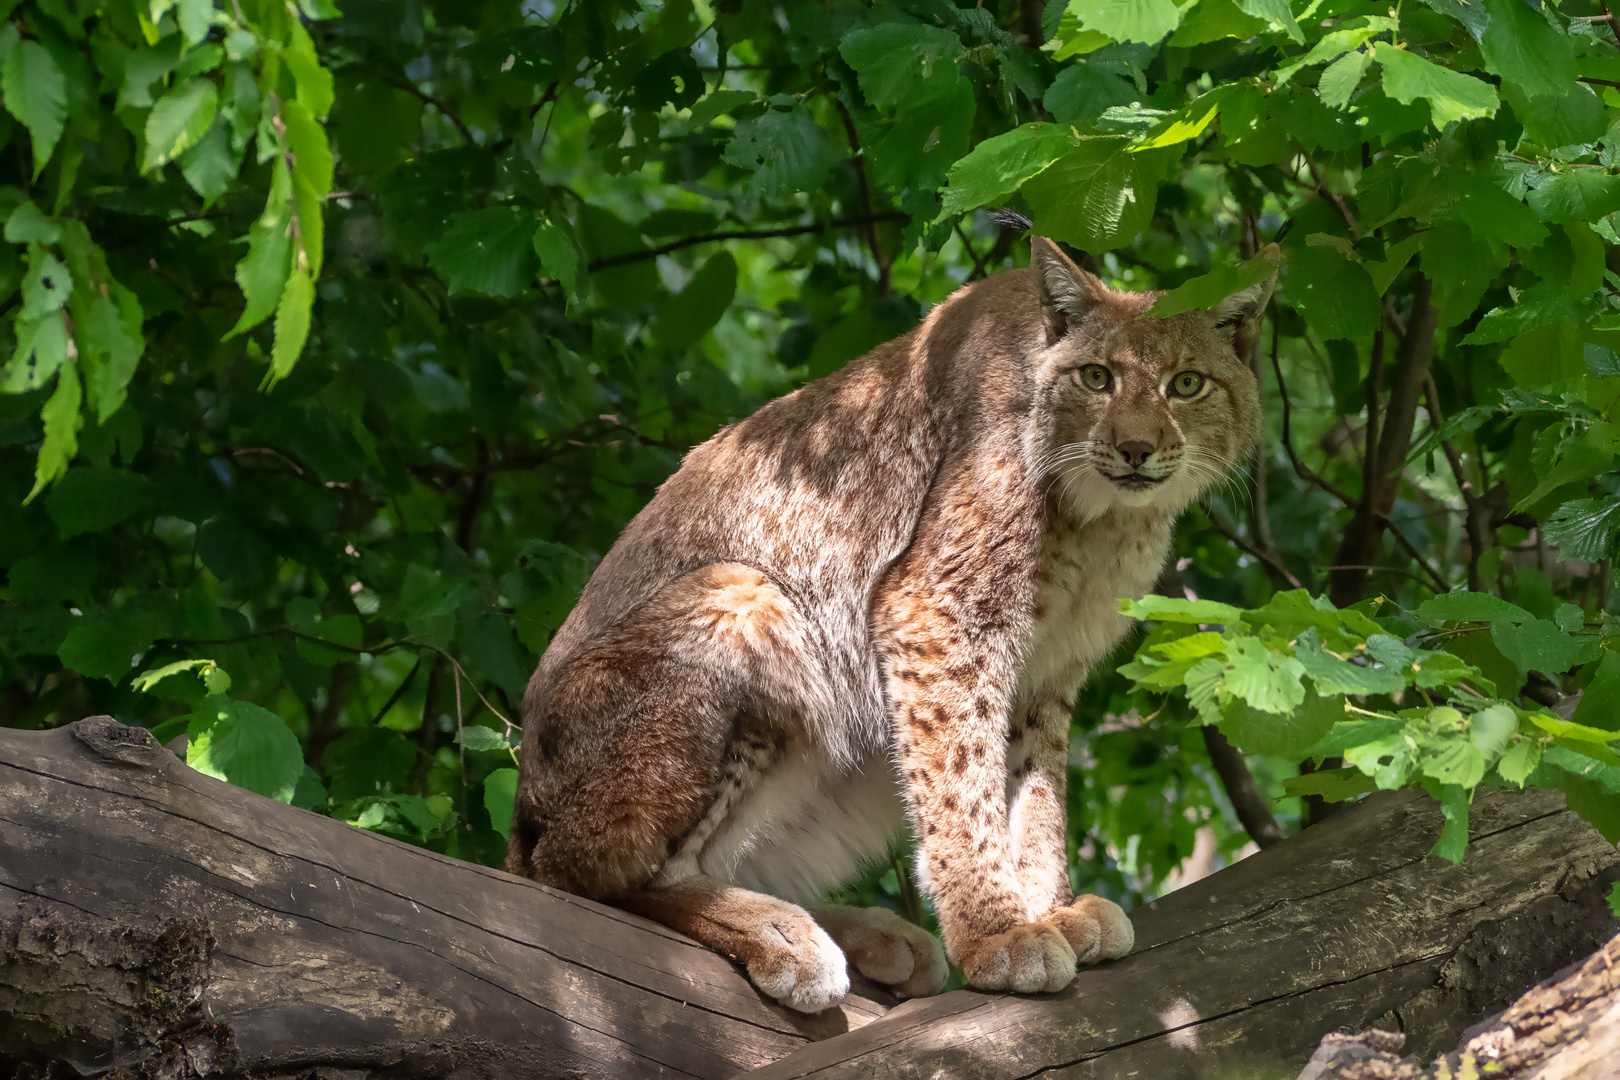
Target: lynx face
1147,412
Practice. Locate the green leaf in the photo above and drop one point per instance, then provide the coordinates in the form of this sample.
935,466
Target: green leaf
95,498
693,312
1537,645
1584,528
1280,734
1331,675
1333,785
292,325
103,645
1451,95
41,351
1208,290
47,285
209,167
311,179
1342,77
313,81
787,152
1522,47
1147,21
1599,707
1520,761
1453,842
500,795
489,252
1191,647
1454,761
62,424
1559,728
558,255
1349,733
1464,606
36,94
1334,294
110,345
1540,305
28,225
245,745
1187,125
178,121
262,273
1490,729
894,60
482,739
1177,610
1575,195
1276,13
999,165
1387,759
1266,679
1580,457
1100,195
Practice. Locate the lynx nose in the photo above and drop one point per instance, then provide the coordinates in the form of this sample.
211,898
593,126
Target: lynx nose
1136,452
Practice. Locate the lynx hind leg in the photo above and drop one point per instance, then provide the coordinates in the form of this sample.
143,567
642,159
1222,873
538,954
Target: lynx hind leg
1096,929
887,949
785,953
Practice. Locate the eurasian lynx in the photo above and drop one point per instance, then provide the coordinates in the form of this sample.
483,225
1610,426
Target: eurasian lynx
874,601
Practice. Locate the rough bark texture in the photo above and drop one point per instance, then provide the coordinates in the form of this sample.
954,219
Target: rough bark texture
1568,1028
157,923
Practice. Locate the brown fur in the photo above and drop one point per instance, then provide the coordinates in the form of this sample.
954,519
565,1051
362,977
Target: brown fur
873,600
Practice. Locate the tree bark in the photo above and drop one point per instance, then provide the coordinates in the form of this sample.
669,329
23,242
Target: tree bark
156,923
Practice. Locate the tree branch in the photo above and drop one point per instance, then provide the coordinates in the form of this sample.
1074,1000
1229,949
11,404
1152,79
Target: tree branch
859,160
1476,522
741,234
1240,787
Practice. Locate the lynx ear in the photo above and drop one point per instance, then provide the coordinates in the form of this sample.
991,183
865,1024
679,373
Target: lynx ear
1241,312
1068,293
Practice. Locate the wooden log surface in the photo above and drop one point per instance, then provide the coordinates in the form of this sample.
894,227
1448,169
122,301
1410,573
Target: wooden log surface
145,905
1346,925
156,920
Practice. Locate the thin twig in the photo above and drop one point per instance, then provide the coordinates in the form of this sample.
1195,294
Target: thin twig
1476,519
1271,562
444,110
978,264
859,161
399,692
741,234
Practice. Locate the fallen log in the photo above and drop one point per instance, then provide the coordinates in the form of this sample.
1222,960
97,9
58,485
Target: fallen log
1345,926
157,923
152,915
1568,1028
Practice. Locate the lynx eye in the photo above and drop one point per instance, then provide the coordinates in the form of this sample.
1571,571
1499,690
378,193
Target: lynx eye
1187,384
1096,377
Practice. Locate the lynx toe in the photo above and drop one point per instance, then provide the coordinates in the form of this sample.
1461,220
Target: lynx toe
887,949
1095,928
1030,959
799,965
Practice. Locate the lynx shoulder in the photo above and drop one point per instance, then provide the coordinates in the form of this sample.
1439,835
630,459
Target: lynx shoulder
870,605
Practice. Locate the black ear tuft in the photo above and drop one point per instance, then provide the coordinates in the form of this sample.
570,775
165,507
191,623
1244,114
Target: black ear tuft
1011,219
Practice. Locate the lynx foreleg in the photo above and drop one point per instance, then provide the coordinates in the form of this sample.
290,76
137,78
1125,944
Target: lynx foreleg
1038,764
949,728
1038,757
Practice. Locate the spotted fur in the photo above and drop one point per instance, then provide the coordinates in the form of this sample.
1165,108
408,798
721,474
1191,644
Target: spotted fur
871,604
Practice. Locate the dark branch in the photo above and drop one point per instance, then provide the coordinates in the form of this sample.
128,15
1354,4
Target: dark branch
741,234
1240,787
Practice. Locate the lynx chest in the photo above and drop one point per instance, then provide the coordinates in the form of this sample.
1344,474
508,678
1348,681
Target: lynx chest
1086,569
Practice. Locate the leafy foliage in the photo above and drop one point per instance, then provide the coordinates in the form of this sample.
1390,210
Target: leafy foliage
339,345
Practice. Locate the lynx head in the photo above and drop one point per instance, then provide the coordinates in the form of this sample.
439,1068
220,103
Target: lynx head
1144,412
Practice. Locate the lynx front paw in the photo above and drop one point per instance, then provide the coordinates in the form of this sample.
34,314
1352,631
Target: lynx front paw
1096,929
1029,959
797,964
887,949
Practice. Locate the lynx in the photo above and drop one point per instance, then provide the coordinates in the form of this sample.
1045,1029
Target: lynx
871,604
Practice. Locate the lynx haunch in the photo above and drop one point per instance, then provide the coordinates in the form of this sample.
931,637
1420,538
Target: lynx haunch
871,604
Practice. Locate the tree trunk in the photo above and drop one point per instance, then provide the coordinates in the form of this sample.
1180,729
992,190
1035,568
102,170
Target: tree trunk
156,923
